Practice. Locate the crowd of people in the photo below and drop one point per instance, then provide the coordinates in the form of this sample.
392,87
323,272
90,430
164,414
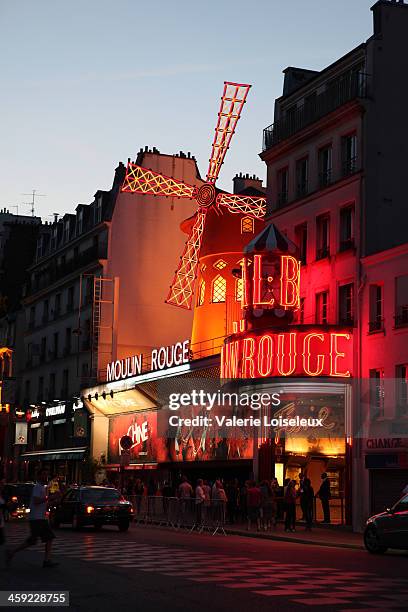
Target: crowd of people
259,505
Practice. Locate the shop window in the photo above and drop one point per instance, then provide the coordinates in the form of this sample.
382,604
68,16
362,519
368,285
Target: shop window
377,392
239,289
376,321
322,307
401,301
301,241
401,375
346,228
247,225
220,264
201,293
302,177
219,289
323,236
346,304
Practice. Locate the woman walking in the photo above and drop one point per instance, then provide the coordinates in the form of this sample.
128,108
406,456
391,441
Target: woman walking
306,502
290,505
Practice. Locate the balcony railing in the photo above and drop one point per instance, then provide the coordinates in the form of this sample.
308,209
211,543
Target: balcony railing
347,87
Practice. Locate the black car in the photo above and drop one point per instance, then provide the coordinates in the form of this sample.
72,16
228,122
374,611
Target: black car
97,506
388,529
17,496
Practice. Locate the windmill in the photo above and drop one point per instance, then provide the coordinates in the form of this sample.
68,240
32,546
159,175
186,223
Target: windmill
145,181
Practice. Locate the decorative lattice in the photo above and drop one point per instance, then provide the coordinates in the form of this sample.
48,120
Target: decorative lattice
219,289
149,182
220,264
232,102
247,225
247,205
201,294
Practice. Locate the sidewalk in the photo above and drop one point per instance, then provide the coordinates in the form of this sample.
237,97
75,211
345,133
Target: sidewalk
337,536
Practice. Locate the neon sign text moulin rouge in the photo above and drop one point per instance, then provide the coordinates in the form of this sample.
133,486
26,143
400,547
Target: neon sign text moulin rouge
261,349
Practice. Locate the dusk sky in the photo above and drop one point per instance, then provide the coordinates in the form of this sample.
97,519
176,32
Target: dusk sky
85,84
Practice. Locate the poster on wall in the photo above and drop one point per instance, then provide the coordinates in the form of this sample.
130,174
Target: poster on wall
141,427
21,433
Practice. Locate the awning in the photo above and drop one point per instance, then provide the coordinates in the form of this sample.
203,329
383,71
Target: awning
55,455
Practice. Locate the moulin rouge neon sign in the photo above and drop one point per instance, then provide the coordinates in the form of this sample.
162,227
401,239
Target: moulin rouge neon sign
271,350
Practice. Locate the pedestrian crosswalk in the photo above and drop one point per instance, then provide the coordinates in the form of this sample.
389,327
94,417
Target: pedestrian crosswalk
316,587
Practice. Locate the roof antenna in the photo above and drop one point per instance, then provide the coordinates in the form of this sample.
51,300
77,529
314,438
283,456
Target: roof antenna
34,195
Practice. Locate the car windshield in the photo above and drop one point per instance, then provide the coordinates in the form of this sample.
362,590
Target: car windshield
100,495
402,505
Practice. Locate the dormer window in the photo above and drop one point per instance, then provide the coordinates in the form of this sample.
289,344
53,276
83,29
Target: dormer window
98,211
80,221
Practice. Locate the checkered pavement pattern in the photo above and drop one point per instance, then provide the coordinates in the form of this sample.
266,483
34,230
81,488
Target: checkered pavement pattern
299,583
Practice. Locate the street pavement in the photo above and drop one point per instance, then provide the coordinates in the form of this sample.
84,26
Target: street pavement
152,568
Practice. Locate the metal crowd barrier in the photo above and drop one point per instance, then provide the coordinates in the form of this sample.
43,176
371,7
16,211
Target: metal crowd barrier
188,513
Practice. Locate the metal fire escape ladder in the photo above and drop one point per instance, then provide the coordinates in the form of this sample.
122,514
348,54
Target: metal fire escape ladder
102,324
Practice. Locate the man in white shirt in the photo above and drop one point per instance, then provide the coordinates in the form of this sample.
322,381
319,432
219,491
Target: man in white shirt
39,525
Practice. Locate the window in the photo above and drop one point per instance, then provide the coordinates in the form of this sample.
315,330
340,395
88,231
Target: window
349,154
70,299
325,157
67,230
43,349
283,184
346,304
86,341
302,310
45,311
322,232
220,264
346,228
98,210
68,335
322,307
302,177
31,320
57,305
56,345
89,289
65,382
377,392
401,301
376,320
401,375
239,289
201,293
219,288
51,390
40,394
247,225
301,241
80,221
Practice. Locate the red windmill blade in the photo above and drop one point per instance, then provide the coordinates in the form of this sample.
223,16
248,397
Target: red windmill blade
142,180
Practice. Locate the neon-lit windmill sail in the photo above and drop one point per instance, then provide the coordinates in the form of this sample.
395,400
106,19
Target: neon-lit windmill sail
232,102
144,181
153,183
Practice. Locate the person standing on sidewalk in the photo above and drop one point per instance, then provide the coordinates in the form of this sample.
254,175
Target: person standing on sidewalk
254,505
199,501
290,505
325,495
306,502
38,521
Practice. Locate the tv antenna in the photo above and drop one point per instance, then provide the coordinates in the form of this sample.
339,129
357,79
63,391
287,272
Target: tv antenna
34,195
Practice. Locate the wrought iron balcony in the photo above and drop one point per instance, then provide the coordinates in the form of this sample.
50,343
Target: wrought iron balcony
345,88
376,325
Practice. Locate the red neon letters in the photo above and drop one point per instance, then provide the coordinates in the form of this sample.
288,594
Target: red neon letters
294,353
